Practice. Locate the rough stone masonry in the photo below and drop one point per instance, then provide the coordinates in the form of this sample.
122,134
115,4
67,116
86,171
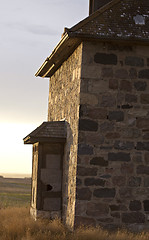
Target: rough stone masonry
99,88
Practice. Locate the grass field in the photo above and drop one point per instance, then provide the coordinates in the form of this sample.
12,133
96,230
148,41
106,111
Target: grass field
15,192
17,224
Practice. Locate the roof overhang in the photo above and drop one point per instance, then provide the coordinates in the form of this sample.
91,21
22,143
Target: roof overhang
61,52
47,132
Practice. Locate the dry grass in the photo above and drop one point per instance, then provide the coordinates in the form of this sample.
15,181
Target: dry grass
16,224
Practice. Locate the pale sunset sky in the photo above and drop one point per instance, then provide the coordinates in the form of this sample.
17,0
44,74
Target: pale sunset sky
30,29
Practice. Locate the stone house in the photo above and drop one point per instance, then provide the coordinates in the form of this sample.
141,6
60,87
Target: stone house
91,158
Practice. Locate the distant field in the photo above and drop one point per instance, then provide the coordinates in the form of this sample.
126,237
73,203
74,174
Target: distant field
15,192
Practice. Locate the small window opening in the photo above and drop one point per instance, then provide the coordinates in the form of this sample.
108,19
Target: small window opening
49,187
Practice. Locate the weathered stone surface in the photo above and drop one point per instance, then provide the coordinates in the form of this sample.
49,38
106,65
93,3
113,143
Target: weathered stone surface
108,101
140,86
52,204
107,72
130,98
131,132
133,73
134,182
127,168
115,214
112,135
126,193
121,74
118,208
133,217
94,181
146,205
143,146
113,84
142,169
84,194
85,221
146,158
135,205
120,145
144,74
97,209
120,156
78,182
86,171
84,149
146,136
142,123
126,106
146,182
104,193
119,181
144,98
89,99
94,138
106,59
126,86
88,125
107,127
118,116
97,113
99,161
134,61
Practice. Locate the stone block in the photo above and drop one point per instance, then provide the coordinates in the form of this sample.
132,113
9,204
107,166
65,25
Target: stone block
144,74
119,181
97,209
133,73
140,85
115,214
134,61
133,217
142,169
78,182
113,84
88,125
84,194
107,73
97,113
135,205
146,158
127,168
52,204
144,146
144,98
112,135
130,98
126,86
94,138
120,145
99,161
126,193
94,182
126,106
134,182
146,182
89,99
86,171
104,193
84,149
142,123
120,156
146,205
97,85
108,101
106,59
107,127
121,74
118,116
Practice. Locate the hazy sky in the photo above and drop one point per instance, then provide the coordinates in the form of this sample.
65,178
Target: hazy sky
30,29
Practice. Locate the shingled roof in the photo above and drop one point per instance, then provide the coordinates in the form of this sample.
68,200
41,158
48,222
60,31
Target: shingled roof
119,20
47,132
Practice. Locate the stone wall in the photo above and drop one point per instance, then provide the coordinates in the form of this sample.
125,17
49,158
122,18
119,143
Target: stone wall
64,99
113,152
